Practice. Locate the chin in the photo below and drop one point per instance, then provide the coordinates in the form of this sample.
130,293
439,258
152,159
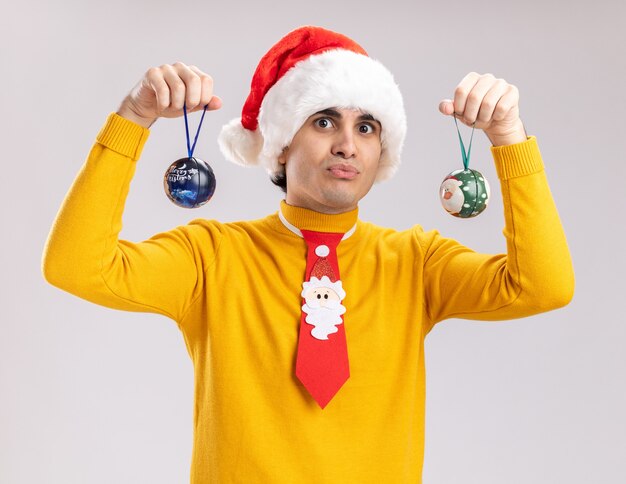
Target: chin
340,199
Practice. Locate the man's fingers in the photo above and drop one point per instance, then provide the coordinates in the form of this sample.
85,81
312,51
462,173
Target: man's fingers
206,98
164,90
154,78
193,87
475,97
509,100
176,85
462,91
486,103
490,100
206,87
215,103
446,106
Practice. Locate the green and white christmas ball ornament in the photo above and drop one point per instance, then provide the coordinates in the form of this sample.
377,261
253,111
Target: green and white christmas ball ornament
464,193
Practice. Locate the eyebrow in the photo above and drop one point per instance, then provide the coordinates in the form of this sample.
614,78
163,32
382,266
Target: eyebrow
336,114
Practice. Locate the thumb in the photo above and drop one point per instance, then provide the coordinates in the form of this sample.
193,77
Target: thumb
446,106
214,103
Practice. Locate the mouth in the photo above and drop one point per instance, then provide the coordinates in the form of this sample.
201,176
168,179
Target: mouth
343,171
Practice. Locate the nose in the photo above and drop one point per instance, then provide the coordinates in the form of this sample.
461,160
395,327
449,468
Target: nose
344,145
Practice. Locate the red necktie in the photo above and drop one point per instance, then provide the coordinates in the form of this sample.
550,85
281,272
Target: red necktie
322,361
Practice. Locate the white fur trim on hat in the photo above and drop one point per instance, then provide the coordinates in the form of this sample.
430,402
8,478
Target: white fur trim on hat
239,144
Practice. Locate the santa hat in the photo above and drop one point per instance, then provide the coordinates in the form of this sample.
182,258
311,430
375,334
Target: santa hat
309,70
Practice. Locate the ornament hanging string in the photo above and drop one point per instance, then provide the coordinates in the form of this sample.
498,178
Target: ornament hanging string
466,155
190,149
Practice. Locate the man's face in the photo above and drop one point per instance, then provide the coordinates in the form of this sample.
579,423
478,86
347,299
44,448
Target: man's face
332,160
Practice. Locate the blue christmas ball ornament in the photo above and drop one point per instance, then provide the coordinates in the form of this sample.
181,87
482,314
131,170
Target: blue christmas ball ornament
189,182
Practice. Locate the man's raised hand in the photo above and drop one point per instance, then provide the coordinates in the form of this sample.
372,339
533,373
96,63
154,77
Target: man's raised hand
162,91
493,104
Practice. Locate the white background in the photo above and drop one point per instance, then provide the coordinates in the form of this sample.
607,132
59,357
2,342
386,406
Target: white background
93,395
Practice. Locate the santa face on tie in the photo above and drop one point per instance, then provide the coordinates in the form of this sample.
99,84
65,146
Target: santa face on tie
323,305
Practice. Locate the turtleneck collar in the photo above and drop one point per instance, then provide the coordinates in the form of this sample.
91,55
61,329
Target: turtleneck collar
306,219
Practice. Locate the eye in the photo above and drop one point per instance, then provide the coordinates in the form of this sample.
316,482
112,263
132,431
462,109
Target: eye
366,128
319,296
323,123
325,296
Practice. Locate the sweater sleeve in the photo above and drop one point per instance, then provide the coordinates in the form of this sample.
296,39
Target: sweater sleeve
536,273
84,256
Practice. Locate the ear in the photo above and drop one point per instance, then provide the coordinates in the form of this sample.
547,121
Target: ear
282,158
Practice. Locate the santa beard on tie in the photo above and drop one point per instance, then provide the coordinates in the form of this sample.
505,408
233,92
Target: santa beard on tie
324,315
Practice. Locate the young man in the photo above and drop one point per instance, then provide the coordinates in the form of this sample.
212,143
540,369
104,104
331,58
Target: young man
306,328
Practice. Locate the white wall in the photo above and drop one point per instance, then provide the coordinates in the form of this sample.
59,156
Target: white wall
93,395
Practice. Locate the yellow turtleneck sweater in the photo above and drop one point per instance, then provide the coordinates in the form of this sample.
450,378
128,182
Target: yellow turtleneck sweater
234,291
